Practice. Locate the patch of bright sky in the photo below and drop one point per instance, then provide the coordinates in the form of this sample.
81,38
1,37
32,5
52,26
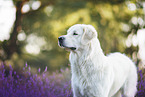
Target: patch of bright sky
34,5
132,6
7,18
25,8
35,44
141,44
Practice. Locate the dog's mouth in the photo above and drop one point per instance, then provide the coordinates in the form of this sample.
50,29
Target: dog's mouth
69,48
63,46
72,48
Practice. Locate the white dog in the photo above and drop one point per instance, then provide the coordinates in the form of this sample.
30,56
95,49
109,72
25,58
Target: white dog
93,73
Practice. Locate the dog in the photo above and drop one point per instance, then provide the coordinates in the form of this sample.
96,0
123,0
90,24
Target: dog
93,73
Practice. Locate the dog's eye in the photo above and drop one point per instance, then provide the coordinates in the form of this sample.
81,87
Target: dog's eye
75,33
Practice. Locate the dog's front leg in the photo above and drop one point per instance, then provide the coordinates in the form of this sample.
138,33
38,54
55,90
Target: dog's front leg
76,91
95,92
88,93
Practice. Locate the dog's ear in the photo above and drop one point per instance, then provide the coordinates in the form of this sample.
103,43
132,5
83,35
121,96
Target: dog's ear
89,34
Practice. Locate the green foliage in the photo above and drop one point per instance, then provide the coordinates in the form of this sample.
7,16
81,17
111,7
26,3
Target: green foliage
53,18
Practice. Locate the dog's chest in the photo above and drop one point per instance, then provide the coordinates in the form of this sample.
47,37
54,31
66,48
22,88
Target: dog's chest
84,79
81,67
83,74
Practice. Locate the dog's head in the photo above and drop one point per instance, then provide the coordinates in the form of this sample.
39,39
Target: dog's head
78,36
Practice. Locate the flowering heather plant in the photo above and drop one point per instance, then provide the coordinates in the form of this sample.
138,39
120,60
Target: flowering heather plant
44,84
141,83
37,85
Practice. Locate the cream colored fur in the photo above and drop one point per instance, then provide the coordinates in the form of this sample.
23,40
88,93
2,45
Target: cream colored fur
93,73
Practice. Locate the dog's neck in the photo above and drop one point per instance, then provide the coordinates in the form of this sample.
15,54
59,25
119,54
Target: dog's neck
90,52
86,62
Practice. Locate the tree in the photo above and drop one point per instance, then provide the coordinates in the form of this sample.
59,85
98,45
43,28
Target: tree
54,17
11,46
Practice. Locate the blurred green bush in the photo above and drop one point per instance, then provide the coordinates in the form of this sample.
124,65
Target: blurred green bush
33,38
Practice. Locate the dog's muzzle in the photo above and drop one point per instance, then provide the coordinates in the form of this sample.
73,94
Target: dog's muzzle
61,43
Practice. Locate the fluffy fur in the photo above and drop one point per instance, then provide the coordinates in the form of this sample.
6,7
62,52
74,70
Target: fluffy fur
93,73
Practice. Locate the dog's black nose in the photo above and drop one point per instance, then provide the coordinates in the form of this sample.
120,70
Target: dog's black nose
61,38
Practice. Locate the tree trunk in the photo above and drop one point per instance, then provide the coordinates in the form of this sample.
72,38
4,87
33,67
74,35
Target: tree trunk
11,46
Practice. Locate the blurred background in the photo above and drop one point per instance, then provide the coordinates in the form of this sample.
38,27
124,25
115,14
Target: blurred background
29,29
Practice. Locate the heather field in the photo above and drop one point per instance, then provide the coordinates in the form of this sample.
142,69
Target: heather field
44,84
56,84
